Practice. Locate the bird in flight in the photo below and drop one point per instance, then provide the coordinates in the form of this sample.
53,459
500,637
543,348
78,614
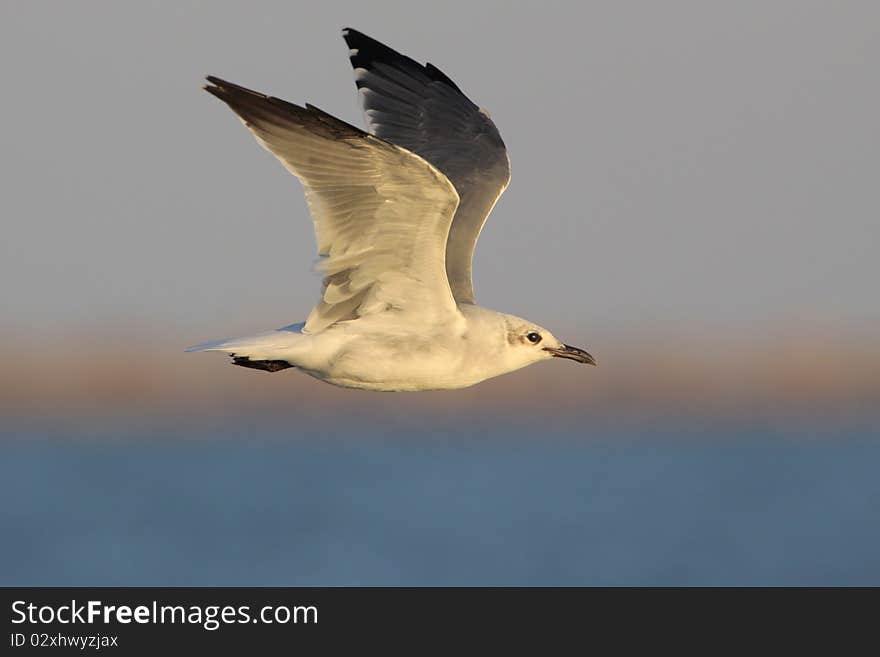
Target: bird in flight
397,212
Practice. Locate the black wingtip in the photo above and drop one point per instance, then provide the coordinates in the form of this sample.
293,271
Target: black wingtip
256,108
216,86
365,50
231,93
436,74
213,89
352,35
225,85
355,38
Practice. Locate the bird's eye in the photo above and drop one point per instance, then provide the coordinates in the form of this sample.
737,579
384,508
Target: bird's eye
533,337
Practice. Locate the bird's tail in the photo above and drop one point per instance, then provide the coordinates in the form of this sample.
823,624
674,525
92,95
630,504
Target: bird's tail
226,344
265,351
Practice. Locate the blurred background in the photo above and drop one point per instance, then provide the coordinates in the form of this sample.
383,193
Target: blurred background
694,200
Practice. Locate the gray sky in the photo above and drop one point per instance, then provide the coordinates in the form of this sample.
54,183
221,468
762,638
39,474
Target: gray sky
676,163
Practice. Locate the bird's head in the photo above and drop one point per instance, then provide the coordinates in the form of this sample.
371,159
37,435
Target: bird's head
529,343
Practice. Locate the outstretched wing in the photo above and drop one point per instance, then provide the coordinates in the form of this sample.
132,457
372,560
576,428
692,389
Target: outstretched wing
381,213
419,108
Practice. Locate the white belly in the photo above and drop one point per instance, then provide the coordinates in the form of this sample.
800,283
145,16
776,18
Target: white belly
435,362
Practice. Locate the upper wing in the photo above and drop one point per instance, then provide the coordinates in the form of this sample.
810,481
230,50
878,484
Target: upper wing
421,109
381,213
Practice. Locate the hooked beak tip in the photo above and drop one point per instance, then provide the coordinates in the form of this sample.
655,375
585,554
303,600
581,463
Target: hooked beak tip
572,353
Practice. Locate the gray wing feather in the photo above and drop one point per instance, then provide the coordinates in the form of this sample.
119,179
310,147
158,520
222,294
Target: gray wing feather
420,109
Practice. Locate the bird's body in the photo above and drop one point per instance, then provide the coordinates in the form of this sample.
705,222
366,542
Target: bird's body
397,214
381,353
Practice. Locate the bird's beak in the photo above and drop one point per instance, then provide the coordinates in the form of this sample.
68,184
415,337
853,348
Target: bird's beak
572,353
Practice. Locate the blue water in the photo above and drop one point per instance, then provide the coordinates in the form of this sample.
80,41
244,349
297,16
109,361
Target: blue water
255,505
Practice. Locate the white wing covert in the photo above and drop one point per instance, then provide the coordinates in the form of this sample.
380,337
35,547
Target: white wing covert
381,214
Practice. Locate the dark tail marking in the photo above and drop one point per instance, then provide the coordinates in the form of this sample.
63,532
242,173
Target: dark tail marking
265,365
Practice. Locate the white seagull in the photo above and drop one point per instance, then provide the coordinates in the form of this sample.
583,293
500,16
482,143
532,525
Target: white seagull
397,213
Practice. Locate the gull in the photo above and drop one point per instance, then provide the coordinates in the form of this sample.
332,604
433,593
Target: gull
397,212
